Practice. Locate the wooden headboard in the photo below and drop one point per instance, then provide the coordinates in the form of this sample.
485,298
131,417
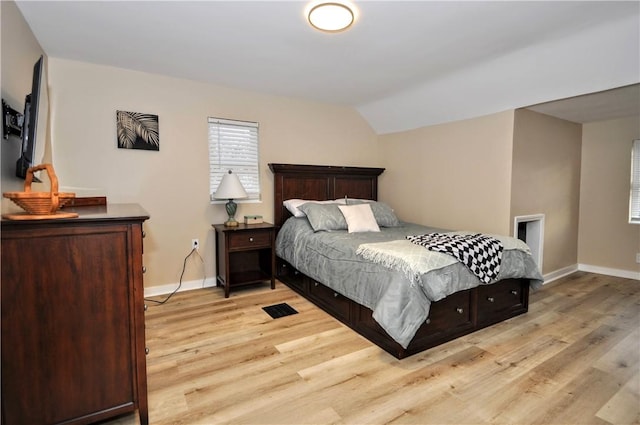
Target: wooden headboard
320,183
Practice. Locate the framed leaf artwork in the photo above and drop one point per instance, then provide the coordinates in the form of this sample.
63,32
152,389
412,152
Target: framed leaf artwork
137,131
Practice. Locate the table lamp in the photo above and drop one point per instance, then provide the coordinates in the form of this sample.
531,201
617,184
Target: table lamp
230,188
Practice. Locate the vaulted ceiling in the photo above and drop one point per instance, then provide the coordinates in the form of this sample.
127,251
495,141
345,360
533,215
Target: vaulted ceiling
403,64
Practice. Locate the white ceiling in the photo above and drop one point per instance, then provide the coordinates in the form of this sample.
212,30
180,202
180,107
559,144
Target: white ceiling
403,64
604,105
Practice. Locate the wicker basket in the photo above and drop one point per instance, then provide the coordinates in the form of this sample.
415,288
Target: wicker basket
40,203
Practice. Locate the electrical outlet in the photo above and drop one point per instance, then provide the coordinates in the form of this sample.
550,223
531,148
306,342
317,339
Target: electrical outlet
195,244
638,257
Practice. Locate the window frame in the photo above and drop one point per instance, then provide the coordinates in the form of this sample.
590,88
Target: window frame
247,169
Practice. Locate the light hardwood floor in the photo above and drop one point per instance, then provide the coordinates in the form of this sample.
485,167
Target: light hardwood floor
574,358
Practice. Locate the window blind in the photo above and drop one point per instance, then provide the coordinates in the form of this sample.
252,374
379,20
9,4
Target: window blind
634,203
233,145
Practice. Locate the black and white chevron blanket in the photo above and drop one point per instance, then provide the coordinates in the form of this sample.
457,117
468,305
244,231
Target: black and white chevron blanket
482,254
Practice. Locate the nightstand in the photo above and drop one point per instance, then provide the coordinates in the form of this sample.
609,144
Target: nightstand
245,255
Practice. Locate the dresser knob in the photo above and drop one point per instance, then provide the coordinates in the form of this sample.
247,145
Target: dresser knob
335,295
250,239
144,269
315,284
146,350
144,234
460,310
514,292
145,307
427,321
490,299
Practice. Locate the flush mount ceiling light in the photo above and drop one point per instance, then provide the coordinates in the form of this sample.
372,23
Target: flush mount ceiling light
331,17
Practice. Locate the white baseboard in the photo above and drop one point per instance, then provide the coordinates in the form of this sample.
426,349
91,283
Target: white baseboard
557,274
152,291
548,278
627,274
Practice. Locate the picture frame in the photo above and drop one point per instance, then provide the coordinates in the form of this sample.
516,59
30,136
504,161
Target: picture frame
137,130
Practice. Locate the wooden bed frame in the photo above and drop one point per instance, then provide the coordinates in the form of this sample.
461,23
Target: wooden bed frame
458,314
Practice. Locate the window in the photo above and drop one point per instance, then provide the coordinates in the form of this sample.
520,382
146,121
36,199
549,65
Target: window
233,145
634,203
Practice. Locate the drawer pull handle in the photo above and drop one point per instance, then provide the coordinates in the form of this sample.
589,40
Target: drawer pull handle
250,239
460,310
144,269
335,295
490,299
514,292
146,350
427,321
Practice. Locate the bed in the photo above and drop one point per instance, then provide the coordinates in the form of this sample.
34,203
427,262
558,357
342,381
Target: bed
400,310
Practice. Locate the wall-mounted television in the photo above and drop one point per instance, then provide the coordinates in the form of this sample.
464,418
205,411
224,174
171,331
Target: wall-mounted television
30,122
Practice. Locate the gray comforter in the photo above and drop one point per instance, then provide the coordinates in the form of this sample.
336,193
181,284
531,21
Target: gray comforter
400,303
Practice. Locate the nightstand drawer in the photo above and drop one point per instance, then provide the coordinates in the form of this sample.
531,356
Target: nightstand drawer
249,240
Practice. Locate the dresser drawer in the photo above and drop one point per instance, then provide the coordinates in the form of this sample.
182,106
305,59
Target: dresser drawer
249,239
495,302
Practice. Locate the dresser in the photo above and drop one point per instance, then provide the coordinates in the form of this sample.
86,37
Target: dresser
73,336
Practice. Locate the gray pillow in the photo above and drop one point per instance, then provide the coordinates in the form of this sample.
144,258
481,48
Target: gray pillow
385,217
324,216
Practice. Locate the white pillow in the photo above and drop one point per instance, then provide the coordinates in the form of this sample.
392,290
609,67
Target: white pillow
293,204
359,218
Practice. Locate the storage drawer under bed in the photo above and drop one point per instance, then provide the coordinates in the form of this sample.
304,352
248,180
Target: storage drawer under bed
448,316
289,275
454,316
327,297
499,301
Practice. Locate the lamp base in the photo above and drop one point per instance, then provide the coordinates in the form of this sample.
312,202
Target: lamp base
231,212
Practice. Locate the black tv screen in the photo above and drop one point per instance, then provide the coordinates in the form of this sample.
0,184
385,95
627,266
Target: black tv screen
30,124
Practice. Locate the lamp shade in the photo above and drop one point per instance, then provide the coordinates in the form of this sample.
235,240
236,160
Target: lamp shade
230,188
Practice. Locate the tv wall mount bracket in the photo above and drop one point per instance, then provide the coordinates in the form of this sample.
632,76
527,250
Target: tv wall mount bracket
12,121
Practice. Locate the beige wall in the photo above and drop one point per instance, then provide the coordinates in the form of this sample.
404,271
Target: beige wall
172,184
474,174
606,239
455,175
546,180
20,51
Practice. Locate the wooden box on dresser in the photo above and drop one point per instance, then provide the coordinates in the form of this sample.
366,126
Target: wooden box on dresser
73,337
